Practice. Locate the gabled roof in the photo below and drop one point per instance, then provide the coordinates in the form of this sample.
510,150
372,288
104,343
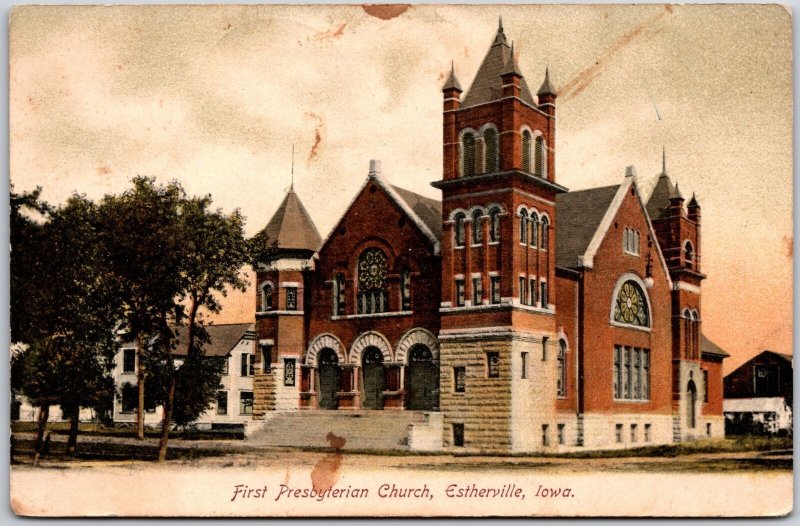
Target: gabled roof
292,227
709,347
428,210
579,215
488,85
658,203
222,338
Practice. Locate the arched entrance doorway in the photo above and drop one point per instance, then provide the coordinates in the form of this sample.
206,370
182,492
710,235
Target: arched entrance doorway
423,380
691,404
372,367
328,369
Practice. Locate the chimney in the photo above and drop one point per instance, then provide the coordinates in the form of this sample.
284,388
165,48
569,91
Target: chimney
374,168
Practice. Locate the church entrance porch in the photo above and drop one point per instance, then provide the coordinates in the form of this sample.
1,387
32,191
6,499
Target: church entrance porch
374,378
422,380
329,378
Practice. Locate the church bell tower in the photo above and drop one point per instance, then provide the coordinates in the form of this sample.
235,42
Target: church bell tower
498,330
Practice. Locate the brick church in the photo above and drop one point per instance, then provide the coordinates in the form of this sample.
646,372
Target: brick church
512,315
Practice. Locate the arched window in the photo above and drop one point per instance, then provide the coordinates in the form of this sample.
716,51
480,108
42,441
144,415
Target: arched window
266,296
523,226
459,225
534,230
539,156
526,151
545,235
630,305
372,273
490,157
468,154
562,368
688,250
477,227
626,246
494,225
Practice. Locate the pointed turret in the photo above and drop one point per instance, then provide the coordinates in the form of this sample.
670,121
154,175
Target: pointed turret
488,83
694,209
291,226
512,67
546,88
659,202
452,83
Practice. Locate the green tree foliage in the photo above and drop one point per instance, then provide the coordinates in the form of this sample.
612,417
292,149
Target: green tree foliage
66,307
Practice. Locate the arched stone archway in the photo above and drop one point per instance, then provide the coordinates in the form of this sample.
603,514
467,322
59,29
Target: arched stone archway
414,337
324,341
370,339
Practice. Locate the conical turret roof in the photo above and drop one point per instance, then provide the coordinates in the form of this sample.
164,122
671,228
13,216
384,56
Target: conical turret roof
292,227
546,88
452,81
658,202
488,84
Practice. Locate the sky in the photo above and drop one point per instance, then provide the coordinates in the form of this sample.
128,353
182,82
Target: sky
215,96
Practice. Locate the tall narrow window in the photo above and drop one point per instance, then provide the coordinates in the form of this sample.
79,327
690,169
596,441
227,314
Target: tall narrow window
459,379
534,230
372,272
495,282
545,235
539,156
459,226
291,298
494,225
634,432
617,378
705,385
458,435
266,296
468,154
645,374
490,149
492,365
523,226
222,402
545,343
532,292
477,227
543,298
526,151
477,291
289,371
522,290
129,361
524,358
545,435
689,254
248,364
460,293
405,290
339,295
246,403
560,434
562,368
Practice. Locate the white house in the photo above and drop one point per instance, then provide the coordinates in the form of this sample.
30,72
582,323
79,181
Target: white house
235,343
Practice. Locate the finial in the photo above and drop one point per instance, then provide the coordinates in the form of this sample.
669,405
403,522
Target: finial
452,81
291,187
630,171
500,38
500,26
374,168
663,160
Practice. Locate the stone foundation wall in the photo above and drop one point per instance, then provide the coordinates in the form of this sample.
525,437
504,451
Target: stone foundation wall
264,390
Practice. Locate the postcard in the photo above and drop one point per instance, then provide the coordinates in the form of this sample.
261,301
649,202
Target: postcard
401,260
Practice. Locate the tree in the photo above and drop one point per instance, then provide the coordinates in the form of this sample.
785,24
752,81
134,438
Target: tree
140,234
214,252
67,290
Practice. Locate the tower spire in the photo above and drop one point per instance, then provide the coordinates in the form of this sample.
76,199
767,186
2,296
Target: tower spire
452,82
663,160
500,38
291,186
546,88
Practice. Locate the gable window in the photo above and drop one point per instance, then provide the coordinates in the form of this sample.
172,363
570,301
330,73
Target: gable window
539,156
372,274
266,296
129,360
561,385
459,226
477,227
468,154
495,283
630,305
490,158
494,225
222,402
545,236
523,226
248,364
477,291
460,293
339,295
630,241
291,298
534,230
405,290
526,151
